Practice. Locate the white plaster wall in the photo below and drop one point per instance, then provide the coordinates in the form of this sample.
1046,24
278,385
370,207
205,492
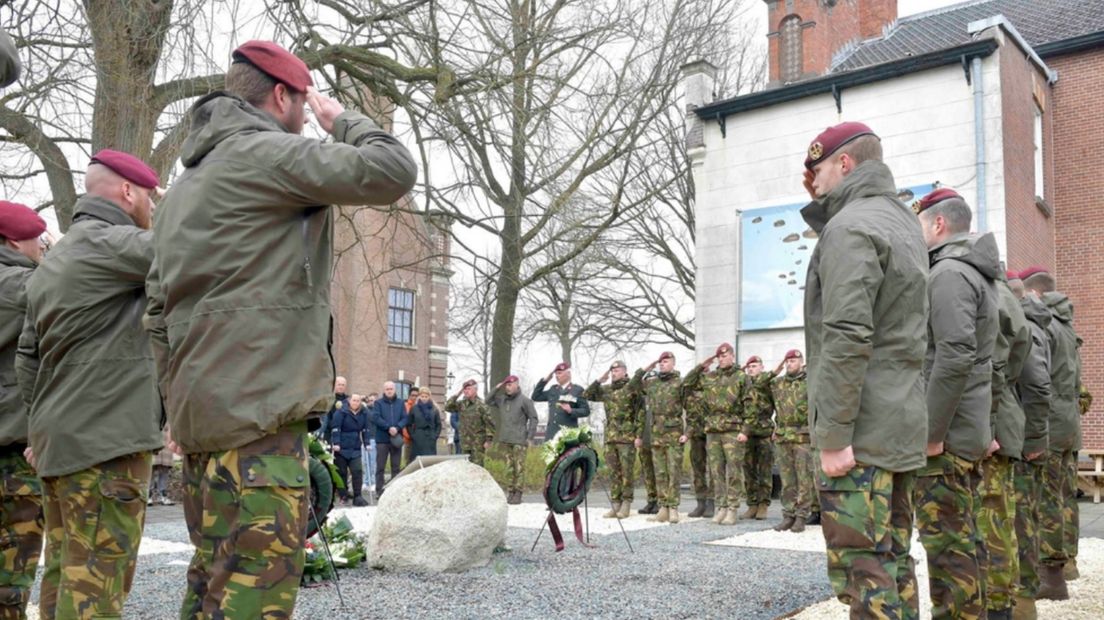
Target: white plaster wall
926,122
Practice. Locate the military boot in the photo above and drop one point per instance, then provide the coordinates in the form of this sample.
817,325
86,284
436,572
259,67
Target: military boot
798,525
761,512
1052,585
1000,614
626,507
730,517
650,508
787,523
721,512
615,508
698,510
1070,572
661,516
1024,609
710,509
673,515
750,512
814,519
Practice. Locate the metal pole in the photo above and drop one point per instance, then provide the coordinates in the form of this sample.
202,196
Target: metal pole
326,547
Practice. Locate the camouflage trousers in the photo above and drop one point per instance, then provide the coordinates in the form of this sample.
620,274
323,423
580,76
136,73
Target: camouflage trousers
473,447
620,458
996,521
1028,483
699,466
867,519
947,502
21,524
515,466
667,453
647,471
757,469
1057,515
94,521
246,511
726,465
1071,529
796,468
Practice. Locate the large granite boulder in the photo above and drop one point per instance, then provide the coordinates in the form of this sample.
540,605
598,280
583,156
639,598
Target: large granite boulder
445,518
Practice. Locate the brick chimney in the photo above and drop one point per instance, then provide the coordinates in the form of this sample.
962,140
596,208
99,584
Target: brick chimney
803,35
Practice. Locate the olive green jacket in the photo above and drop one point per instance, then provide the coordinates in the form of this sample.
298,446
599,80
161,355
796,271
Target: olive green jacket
1065,374
866,310
239,291
1012,348
15,269
1033,385
84,362
515,417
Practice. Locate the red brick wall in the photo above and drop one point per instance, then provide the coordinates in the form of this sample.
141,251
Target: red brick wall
1078,202
874,15
830,28
1030,232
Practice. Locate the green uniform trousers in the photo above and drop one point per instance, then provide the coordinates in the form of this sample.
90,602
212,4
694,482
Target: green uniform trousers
21,524
94,521
996,521
668,453
757,469
699,466
647,471
1057,514
246,511
796,468
1028,482
867,520
515,467
620,458
726,465
947,502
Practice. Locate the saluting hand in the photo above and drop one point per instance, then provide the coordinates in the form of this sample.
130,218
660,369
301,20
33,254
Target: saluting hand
325,109
807,181
603,378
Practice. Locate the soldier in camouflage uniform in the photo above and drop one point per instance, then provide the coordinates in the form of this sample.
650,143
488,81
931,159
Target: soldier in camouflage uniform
722,391
701,481
21,520
477,427
647,465
795,458
760,450
87,375
1058,520
624,419
663,398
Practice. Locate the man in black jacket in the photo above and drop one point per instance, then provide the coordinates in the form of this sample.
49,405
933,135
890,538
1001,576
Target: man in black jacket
561,412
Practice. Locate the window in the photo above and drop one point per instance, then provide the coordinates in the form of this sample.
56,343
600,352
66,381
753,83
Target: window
400,316
789,58
1040,176
402,390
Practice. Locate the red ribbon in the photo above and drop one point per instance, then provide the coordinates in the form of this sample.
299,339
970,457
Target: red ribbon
557,537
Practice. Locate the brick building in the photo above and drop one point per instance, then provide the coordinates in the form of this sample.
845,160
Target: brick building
996,98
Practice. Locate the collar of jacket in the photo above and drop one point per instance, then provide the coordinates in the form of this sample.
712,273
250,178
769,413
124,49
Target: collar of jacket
11,258
731,370
101,209
667,376
955,244
870,178
218,116
1060,306
619,382
795,376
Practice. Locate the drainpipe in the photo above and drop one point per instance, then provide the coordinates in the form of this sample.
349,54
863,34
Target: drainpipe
979,142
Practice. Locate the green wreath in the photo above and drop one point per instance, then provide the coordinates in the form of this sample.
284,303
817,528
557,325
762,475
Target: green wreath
569,479
323,480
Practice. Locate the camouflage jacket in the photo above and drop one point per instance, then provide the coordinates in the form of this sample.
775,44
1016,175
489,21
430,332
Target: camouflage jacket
624,409
791,402
663,402
758,404
722,391
696,411
476,422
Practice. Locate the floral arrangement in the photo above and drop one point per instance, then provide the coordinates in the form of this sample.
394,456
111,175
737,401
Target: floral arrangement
346,546
319,452
564,440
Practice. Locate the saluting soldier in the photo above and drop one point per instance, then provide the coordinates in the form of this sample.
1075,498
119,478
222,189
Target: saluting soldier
477,427
566,405
1058,520
727,424
624,413
789,392
663,397
87,376
962,333
20,488
759,459
516,429
700,480
866,311
240,315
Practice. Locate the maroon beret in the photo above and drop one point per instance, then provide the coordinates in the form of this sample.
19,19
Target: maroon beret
754,359
723,348
934,197
127,166
831,139
469,383
278,63
562,366
19,222
1030,271
510,379
1012,275
666,355
792,354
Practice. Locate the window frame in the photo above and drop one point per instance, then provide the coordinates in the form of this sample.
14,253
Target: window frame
396,329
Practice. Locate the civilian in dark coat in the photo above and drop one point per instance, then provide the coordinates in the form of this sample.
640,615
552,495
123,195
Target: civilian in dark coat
389,418
349,433
426,421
